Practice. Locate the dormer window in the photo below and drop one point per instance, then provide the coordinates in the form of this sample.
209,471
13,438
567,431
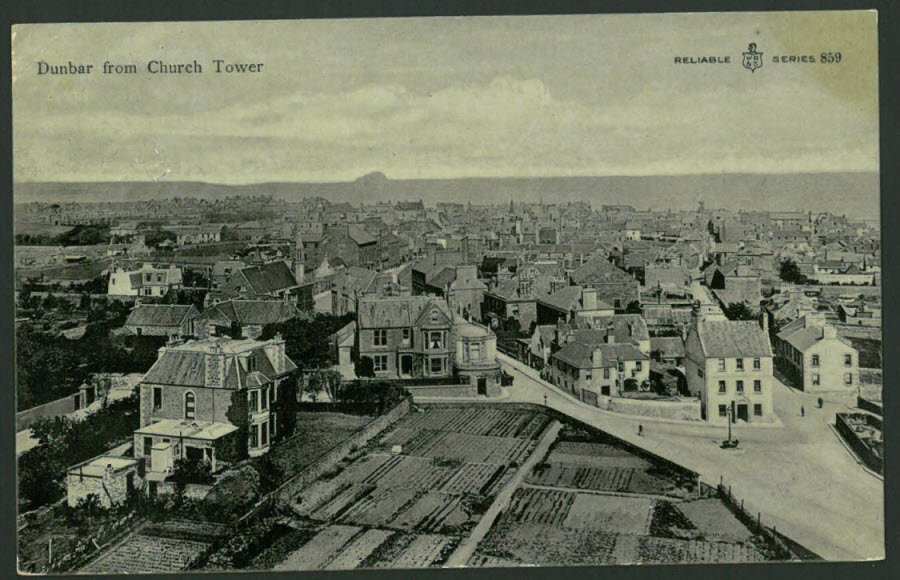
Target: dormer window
251,364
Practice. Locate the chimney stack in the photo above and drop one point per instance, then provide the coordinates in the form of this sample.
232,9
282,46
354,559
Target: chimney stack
597,358
829,332
589,298
764,320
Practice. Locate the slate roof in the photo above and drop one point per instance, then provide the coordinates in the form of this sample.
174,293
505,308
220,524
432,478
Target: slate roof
354,278
565,299
626,327
580,355
397,311
360,236
185,364
668,346
733,339
170,315
254,312
269,278
220,267
598,270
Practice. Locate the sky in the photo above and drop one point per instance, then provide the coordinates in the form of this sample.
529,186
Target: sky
448,97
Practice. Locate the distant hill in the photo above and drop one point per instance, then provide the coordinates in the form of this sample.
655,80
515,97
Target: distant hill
854,194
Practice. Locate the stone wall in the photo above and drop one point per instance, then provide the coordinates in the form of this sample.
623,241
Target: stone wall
862,450
681,409
68,404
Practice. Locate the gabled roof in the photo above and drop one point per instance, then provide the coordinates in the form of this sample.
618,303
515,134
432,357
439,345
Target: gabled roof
254,312
360,236
168,315
354,279
668,346
733,339
269,278
397,311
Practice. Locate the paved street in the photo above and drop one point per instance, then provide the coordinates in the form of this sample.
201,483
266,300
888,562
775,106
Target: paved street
798,475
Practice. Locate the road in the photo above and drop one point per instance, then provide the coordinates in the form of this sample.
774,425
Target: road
799,476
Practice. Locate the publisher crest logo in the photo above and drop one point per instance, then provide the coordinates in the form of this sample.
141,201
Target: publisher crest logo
752,59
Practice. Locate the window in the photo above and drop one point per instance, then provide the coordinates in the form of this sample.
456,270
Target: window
189,405
740,386
721,364
406,335
251,363
588,376
272,425
380,337
148,445
434,317
723,412
264,398
475,351
848,360
254,436
254,401
617,303
740,364
721,386
757,386
264,433
621,367
637,365
435,340
815,360
157,398
848,379
699,372
815,379
380,362
436,366
605,373
756,364
757,409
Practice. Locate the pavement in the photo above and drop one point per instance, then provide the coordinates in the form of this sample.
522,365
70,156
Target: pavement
798,477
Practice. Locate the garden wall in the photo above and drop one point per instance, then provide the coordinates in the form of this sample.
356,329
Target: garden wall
443,391
68,404
680,409
865,453
870,406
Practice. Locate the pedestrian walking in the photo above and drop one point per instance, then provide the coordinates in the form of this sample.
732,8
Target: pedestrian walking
821,402
545,399
802,411
640,430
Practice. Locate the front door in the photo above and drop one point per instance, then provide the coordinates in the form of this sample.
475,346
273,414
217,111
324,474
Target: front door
406,365
482,386
742,412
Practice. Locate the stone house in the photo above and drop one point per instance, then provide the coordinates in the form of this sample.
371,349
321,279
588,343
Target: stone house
200,397
172,320
728,366
613,285
407,336
590,370
146,281
810,352
245,318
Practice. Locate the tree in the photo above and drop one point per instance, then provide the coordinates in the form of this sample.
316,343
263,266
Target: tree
331,382
365,367
191,471
739,311
634,307
790,272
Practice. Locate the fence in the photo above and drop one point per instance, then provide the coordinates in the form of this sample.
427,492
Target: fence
864,451
781,549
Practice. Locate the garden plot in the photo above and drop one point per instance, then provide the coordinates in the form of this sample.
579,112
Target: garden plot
653,550
715,521
607,513
493,422
433,512
546,545
359,549
319,551
614,479
424,551
598,455
475,478
402,471
539,506
148,554
472,448
347,496
380,507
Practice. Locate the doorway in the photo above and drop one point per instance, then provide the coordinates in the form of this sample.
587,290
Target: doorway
742,412
406,365
482,386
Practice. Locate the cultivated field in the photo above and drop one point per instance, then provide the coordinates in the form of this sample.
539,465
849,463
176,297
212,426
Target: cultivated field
410,509
595,502
148,554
